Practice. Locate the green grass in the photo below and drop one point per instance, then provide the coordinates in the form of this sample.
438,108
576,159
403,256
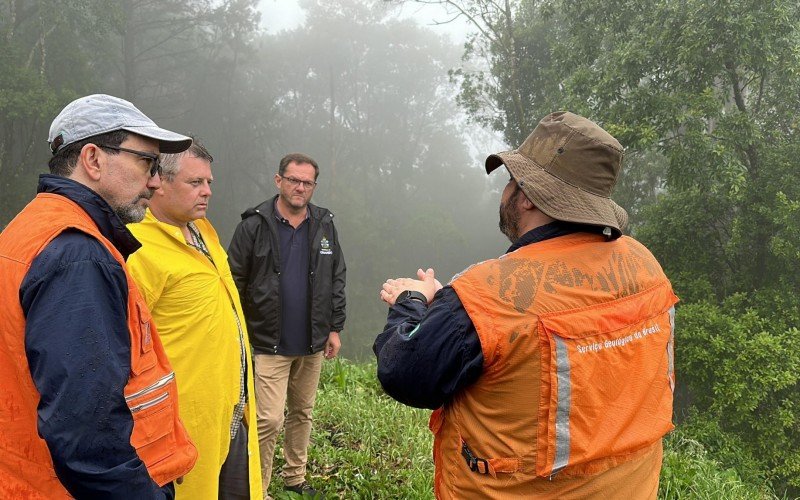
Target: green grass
688,472
367,446
364,445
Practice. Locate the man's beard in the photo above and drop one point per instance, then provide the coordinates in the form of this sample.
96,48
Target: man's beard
509,216
132,212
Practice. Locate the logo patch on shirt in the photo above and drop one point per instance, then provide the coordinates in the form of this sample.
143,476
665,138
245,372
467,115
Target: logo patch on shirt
325,247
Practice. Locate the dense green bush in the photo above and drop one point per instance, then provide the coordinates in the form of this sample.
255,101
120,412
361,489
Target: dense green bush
741,375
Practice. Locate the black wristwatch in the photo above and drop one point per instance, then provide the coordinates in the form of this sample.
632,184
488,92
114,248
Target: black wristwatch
413,295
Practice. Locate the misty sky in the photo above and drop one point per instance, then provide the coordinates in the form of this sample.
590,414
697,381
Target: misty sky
278,15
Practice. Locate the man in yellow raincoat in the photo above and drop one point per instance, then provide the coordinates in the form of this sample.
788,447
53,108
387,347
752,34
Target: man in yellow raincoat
182,271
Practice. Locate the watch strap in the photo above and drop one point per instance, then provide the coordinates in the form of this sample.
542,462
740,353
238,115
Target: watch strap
413,295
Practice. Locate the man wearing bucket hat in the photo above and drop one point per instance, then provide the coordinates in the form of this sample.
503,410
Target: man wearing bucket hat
549,368
89,405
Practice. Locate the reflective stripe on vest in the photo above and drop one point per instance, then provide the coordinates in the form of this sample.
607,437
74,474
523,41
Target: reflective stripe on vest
670,349
563,407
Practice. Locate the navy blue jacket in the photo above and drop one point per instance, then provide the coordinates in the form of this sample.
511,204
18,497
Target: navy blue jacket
77,342
427,354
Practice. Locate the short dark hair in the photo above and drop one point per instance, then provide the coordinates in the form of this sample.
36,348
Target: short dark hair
63,162
169,162
298,158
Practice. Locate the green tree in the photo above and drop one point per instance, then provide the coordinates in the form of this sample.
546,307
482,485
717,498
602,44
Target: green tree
42,66
710,85
164,56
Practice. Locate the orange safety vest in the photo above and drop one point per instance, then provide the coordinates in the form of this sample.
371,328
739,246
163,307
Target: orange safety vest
577,381
160,440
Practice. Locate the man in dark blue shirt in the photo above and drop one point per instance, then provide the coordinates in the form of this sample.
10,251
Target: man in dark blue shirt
288,266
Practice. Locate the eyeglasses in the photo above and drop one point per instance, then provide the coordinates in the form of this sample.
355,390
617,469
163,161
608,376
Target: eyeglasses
155,164
294,182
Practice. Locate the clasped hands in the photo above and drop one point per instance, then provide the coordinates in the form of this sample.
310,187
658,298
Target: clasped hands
427,284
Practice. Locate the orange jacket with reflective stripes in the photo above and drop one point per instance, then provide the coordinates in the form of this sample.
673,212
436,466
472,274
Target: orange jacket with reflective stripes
160,440
576,389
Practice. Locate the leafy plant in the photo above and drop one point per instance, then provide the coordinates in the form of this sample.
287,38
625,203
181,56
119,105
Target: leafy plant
688,471
742,373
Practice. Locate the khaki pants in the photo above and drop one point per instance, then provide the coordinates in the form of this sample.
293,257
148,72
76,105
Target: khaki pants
291,382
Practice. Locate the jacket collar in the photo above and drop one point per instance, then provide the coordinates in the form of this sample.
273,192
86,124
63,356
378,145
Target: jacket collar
110,226
267,210
553,230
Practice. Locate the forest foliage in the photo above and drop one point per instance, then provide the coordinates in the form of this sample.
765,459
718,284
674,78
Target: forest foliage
702,93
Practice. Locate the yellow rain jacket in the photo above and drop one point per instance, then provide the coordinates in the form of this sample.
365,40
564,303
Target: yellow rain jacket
192,303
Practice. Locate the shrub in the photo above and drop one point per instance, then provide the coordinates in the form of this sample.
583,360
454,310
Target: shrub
742,372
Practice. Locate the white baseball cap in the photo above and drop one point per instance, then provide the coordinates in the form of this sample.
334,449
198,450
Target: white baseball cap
99,114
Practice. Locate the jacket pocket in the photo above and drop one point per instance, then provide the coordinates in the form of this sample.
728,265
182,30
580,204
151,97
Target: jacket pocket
489,465
153,420
143,357
607,379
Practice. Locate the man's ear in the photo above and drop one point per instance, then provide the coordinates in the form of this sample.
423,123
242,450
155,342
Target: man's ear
526,203
278,181
90,161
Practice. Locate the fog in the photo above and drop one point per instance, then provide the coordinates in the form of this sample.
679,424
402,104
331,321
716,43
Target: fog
358,86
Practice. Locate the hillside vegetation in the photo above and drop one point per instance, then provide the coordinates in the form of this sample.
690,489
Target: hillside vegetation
365,446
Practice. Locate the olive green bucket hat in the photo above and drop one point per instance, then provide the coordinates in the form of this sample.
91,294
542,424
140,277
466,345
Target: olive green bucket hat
568,167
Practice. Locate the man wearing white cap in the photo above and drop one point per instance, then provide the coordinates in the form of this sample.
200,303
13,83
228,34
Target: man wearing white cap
88,406
550,368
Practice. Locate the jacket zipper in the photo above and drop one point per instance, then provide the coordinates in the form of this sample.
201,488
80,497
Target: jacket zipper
149,404
166,379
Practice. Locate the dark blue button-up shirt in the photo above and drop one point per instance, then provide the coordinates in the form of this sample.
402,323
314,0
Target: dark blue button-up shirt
295,333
